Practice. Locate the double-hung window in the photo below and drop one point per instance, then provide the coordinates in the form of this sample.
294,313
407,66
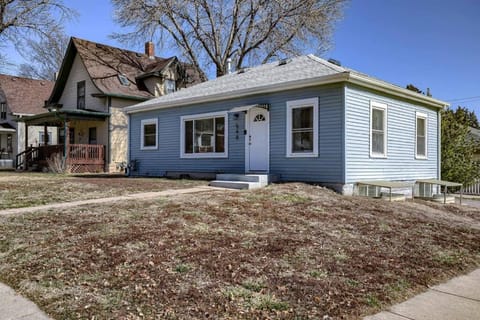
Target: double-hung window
169,86
3,111
81,95
378,130
149,134
421,136
302,128
204,136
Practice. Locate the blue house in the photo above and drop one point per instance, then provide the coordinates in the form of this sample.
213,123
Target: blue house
301,119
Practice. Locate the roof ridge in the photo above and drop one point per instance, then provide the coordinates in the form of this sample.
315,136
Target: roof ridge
326,63
24,78
118,48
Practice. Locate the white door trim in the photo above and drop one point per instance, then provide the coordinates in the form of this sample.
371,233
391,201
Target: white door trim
247,138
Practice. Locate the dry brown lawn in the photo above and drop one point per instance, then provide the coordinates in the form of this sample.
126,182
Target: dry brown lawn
33,189
288,251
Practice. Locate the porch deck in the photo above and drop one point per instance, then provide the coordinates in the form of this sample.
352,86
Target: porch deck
79,158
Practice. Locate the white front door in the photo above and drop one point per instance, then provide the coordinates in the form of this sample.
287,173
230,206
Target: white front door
257,140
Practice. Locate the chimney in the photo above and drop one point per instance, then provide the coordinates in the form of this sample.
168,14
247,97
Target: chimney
149,49
229,65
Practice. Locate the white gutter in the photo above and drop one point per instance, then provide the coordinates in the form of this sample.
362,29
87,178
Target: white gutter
395,90
346,76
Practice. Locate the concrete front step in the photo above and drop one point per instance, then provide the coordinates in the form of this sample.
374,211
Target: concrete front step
239,185
242,181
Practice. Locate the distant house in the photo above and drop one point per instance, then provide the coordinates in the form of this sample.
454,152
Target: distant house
302,119
94,85
21,97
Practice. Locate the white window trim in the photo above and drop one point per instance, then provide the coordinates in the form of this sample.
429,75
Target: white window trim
142,136
424,116
201,116
384,108
294,104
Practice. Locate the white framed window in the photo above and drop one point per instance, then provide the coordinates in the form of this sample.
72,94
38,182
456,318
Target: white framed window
149,134
170,86
3,111
302,128
421,126
204,135
378,129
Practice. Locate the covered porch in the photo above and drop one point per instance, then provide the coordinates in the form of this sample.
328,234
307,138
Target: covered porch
7,135
80,146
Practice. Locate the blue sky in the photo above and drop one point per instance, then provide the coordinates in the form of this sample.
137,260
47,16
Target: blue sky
429,43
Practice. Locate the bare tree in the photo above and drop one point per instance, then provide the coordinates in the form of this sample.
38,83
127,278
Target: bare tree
28,19
45,56
209,32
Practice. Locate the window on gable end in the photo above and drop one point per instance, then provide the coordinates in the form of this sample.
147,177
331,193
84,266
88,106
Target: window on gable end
81,95
421,136
3,111
378,130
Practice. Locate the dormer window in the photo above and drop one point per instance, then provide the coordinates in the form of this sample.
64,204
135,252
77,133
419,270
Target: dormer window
123,80
3,111
81,95
170,86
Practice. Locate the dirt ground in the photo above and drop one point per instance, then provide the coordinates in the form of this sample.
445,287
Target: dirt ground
288,251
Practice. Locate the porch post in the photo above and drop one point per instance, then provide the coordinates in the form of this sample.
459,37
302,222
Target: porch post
66,131
25,167
45,135
26,136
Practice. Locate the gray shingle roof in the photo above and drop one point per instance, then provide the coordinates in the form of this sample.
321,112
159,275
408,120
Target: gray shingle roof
299,68
299,71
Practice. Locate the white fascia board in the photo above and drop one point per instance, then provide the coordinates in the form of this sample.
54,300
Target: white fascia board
395,90
339,77
22,114
346,76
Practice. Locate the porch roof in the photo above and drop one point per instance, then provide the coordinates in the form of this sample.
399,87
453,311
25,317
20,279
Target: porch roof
58,118
5,127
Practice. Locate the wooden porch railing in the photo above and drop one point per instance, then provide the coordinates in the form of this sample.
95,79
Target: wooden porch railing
86,154
78,155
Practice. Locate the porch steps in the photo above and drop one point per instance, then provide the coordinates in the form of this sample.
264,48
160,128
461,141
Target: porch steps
242,181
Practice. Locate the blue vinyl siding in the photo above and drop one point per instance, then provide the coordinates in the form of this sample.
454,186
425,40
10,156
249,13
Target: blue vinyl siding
167,156
327,167
400,163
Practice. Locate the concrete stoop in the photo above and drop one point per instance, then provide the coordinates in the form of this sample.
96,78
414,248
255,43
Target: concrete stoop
242,181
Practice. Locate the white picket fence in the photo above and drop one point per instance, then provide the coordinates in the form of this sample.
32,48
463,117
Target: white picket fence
473,189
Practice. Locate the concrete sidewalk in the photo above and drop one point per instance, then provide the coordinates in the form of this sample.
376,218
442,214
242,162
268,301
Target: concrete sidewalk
457,299
14,306
143,195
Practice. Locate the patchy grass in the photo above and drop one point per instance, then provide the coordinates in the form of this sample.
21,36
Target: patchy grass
289,251
33,189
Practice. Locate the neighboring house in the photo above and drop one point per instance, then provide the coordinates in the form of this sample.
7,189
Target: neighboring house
20,97
94,84
302,119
